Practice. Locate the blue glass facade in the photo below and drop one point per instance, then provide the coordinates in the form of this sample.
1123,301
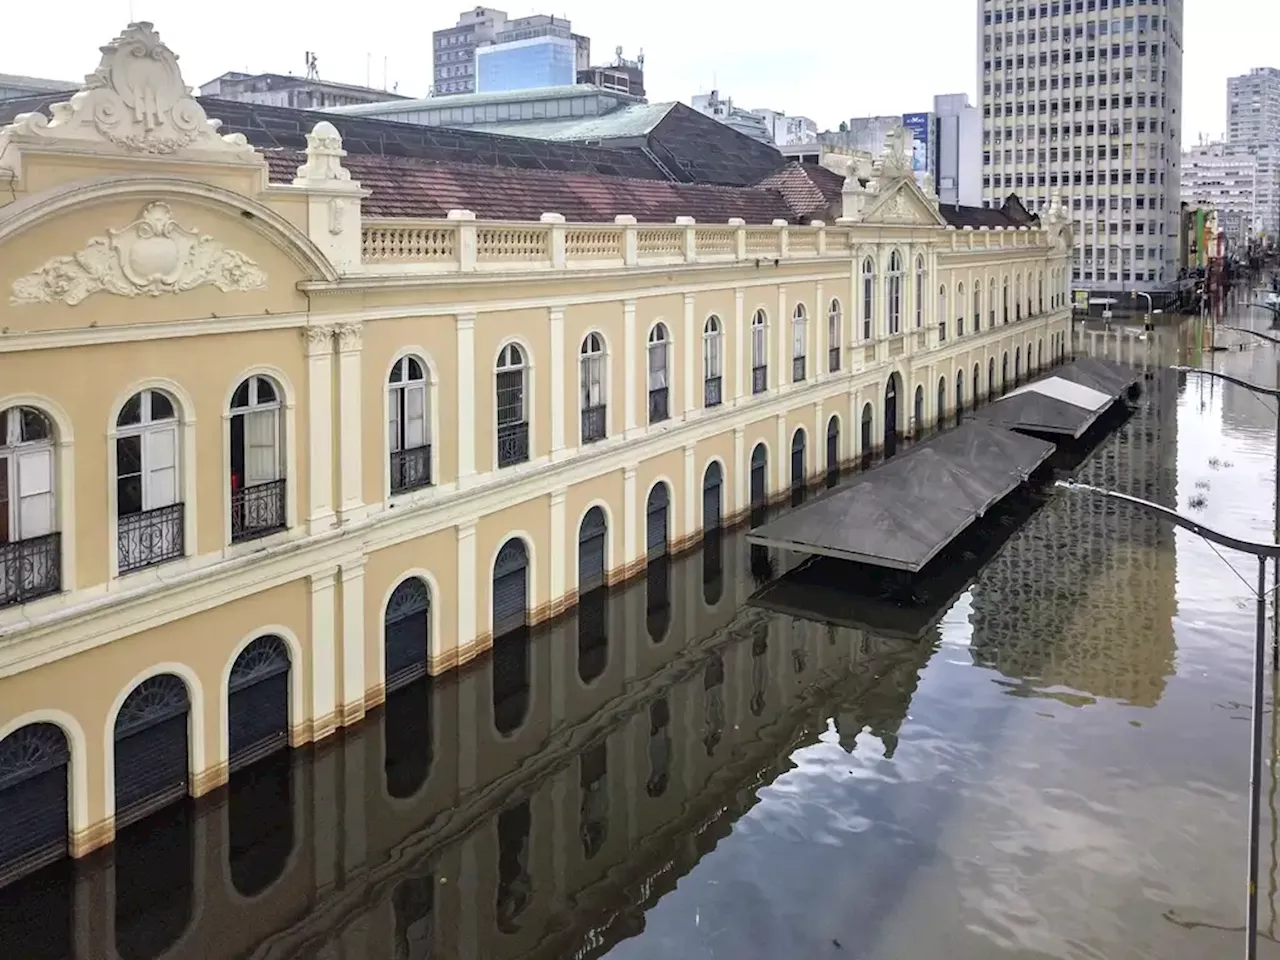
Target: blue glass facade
525,65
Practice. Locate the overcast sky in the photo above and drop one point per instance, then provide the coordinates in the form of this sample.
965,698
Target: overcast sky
829,61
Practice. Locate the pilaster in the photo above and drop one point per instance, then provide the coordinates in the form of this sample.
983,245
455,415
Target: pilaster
819,335
467,599
782,380
741,338
557,556
323,662
351,429
558,383
318,342
630,360
782,459
465,330
740,470
631,518
691,495
353,640
689,356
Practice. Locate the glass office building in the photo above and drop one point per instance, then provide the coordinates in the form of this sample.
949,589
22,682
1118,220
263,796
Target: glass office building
525,64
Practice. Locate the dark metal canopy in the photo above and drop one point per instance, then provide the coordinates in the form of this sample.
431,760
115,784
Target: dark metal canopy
1066,402
900,514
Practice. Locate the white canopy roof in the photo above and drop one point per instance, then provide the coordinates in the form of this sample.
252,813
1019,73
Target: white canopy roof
1076,394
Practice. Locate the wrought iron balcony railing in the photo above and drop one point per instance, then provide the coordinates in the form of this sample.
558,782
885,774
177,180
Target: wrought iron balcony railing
30,569
513,443
257,511
711,392
659,408
593,423
149,537
759,379
410,469
833,359
797,369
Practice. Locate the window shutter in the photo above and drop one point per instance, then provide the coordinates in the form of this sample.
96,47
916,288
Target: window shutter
35,492
396,397
160,466
262,451
415,417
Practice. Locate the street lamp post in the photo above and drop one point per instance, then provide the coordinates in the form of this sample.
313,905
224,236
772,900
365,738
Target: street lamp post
1263,551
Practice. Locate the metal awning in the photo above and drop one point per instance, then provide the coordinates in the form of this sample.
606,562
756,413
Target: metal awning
901,513
1066,402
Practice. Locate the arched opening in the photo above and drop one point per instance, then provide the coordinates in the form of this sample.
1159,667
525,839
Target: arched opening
413,903
1004,372
918,413
153,861
834,336
891,390
659,372
149,511
959,396
35,769
759,481
799,342
975,385
407,734
759,352
510,666
257,459
1017,365
593,810
991,377
511,405
868,430
797,467
868,296
260,802
593,543
895,293
409,425
712,497
658,571
659,747
940,415
515,885
1040,354
592,618
591,361
657,521
510,588
712,362
30,546
833,452
712,534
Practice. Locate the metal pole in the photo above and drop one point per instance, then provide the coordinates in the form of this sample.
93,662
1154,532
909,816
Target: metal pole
1255,765
1275,639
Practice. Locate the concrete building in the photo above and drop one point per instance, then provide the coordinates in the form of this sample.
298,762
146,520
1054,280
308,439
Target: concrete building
767,126
286,90
1088,103
1253,127
13,85
620,76
285,429
539,51
1222,179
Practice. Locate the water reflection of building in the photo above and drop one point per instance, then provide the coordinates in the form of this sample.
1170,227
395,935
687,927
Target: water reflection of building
625,762
1081,600
1242,409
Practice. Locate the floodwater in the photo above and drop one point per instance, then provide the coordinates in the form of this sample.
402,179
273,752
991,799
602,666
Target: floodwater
1056,766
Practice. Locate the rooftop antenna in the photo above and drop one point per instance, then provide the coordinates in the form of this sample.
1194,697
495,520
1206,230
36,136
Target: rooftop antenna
313,71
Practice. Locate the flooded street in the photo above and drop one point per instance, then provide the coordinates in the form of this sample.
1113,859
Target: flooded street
1055,767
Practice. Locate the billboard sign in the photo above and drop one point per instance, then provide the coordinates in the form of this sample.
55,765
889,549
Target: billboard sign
917,125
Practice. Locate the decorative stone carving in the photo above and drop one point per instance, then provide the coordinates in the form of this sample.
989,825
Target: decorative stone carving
317,339
324,156
336,210
136,101
896,162
151,256
349,336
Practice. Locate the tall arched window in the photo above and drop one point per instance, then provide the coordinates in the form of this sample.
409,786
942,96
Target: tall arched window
759,352
941,413
149,511
511,403
799,342
895,293
1040,292
712,362
257,460
591,374
977,305
1030,299
659,368
30,547
408,425
834,334
868,296
960,303
942,313
1005,291
1017,297
920,288
991,302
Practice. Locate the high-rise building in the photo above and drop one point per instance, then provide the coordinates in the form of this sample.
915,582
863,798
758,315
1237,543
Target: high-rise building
1253,127
1084,100
487,52
1226,180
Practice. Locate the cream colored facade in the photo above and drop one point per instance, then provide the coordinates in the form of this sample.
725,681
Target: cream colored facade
141,251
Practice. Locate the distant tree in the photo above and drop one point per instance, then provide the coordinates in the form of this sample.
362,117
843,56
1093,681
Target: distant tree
844,127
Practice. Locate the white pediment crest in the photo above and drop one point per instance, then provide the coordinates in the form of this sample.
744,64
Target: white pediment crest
153,255
903,204
137,102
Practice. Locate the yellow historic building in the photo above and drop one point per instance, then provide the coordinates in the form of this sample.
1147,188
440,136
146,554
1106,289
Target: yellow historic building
282,431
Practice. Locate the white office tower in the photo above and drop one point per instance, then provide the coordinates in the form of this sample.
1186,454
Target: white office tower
1253,127
1083,98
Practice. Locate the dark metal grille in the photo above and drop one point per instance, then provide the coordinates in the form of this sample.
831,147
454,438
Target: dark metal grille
150,537
30,568
797,369
410,469
658,405
833,359
593,423
513,443
711,392
257,511
759,379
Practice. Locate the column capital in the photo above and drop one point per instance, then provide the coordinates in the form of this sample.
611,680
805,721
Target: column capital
739,432
629,305
317,339
466,530
739,294
350,337
556,313
323,580
689,299
352,568
558,497
629,473
464,321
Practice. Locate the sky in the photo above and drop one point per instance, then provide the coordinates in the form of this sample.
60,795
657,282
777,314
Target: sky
841,60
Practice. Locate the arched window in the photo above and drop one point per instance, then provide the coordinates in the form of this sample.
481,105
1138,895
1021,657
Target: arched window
834,334
960,303
1030,299
977,305
941,413
759,352
511,404
920,287
34,795
408,425
257,460
1017,297
1040,292
868,296
659,395
149,514
591,373
991,302
942,314
895,293
799,342
1005,290
959,394
712,362
918,413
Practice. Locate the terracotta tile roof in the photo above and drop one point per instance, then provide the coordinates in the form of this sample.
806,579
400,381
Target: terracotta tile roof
809,189
1011,214
410,187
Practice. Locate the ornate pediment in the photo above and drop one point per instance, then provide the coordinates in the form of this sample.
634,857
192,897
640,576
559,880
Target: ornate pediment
151,256
903,204
135,102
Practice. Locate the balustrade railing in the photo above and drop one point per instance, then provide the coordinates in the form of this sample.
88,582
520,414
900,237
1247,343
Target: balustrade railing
759,379
593,423
410,469
30,569
149,537
659,408
513,443
797,369
257,511
833,359
711,392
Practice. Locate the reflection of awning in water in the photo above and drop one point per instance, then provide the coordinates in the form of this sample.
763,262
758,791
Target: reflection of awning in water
1066,402
902,513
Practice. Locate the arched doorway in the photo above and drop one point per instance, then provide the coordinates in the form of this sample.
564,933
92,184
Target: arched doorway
867,429
658,573
593,541
991,377
35,763
918,413
593,634
1040,353
658,521
759,481
151,763
891,390
1004,372
258,701
1017,365
940,414
959,396
975,385
712,534
833,451
406,628
510,588
712,497
797,467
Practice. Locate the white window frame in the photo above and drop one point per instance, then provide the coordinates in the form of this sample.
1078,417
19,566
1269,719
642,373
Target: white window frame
151,431
401,387
800,332
713,350
868,299
921,287
659,344
759,339
263,411
41,454
894,284
591,372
